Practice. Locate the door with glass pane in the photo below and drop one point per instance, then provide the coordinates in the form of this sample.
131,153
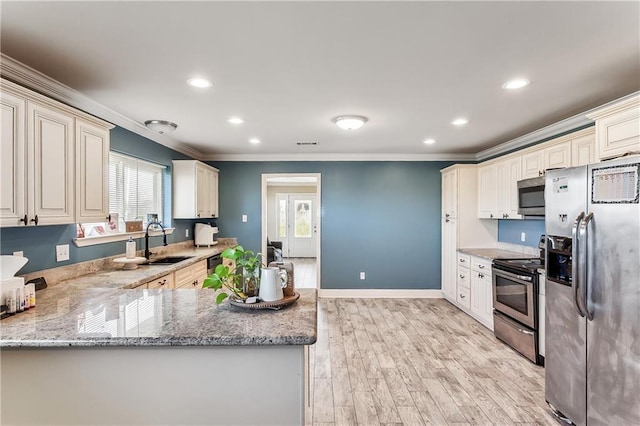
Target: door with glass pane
296,223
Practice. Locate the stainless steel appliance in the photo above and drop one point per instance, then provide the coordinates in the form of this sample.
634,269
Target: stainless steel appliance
212,262
531,196
593,293
515,304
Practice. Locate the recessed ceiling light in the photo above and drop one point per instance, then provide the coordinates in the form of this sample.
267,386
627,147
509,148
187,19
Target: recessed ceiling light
516,83
350,122
235,120
460,121
254,141
429,141
199,82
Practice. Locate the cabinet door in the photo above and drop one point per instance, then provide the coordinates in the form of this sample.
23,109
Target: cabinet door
477,294
510,189
213,193
618,133
202,192
50,151
92,172
558,156
450,194
488,192
487,290
532,164
449,243
13,190
583,150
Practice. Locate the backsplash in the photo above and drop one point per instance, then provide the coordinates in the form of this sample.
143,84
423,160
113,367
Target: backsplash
510,231
533,251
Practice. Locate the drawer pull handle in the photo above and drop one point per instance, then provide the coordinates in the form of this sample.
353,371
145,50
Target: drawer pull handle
25,219
462,276
35,220
481,266
462,260
461,296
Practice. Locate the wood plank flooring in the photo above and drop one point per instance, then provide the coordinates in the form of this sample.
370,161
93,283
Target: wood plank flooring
417,362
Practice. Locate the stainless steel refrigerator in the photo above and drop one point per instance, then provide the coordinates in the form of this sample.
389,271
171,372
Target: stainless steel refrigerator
592,360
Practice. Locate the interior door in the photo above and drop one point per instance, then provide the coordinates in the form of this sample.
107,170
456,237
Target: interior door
297,227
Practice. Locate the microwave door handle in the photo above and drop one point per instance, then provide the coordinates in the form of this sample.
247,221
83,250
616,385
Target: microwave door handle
575,259
585,248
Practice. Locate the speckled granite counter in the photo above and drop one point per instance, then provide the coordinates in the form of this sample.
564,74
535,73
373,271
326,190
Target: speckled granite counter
162,317
493,253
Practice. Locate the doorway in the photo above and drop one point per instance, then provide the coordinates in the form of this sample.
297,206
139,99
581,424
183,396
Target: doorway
291,206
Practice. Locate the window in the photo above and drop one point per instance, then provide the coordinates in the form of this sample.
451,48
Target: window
135,188
135,193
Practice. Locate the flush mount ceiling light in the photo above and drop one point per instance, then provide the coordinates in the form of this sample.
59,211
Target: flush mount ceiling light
161,126
429,141
350,122
460,121
516,83
254,141
235,120
200,83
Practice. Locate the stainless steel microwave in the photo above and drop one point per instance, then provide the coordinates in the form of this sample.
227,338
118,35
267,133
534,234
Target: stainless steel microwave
531,196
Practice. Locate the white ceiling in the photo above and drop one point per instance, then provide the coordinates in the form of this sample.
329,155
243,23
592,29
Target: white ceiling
287,68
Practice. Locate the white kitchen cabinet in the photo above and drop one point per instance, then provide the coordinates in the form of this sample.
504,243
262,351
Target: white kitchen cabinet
195,190
617,128
92,172
463,293
583,149
461,228
42,168
191,276
534,163
482,291
487,191
13,196
541,313
165,281
508,175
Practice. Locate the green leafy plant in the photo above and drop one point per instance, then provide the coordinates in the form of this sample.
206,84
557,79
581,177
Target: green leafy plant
242,280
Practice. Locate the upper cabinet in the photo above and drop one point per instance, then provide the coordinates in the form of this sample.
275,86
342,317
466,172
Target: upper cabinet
195,190
449,194
54,161
487,191
497,188
536,162
618,128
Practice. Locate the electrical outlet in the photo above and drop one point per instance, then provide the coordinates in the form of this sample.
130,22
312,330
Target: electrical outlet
523,237
62,252
186,233
244,217
18,253
362,275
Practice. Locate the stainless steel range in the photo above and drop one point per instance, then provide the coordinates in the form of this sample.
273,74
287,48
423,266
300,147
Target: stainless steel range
515,304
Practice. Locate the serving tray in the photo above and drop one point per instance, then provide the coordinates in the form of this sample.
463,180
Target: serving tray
276,305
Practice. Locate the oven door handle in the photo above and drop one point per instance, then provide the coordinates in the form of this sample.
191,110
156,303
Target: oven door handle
527,280
584,256
575,259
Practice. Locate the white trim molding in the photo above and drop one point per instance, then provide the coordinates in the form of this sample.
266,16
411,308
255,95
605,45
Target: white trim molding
341,157
381,294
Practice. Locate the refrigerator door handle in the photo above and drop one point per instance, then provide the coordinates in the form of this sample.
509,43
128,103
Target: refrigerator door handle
575,259
585,246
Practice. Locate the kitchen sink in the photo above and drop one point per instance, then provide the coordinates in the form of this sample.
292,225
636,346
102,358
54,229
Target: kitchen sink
169,260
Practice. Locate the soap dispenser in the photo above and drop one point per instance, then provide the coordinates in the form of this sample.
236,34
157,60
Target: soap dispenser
131,248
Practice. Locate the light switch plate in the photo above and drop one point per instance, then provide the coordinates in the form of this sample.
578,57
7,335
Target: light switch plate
244,217
523,236
18,253
362,275
62,253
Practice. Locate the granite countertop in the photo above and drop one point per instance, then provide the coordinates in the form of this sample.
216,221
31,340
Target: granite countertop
101,317
493,253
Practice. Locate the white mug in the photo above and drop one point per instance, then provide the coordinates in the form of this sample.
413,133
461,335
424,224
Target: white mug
272,281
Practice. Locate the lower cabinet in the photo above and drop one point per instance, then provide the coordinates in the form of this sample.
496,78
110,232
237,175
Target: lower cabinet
474,290
162,282
192,276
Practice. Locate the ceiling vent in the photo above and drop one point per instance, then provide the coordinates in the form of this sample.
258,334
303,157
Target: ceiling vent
307,143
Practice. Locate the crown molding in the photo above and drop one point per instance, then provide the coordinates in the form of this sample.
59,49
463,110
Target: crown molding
341,157
30,78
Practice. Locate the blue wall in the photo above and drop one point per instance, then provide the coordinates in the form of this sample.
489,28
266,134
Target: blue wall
38,243
382,218
509,231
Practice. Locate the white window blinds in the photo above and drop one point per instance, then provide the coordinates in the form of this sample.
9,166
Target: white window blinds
135,187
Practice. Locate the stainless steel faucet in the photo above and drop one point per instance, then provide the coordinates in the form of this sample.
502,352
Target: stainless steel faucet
147,252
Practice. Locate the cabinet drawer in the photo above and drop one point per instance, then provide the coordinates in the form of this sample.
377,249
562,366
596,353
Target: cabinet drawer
463,259
463,279
162,282
481,265
462,296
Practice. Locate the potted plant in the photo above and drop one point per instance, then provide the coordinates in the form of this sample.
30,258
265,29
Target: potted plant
242,281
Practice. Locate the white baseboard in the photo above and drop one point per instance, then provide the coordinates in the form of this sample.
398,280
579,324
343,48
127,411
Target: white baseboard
381,294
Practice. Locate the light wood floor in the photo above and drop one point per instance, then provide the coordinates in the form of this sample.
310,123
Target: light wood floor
304,271
414,362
